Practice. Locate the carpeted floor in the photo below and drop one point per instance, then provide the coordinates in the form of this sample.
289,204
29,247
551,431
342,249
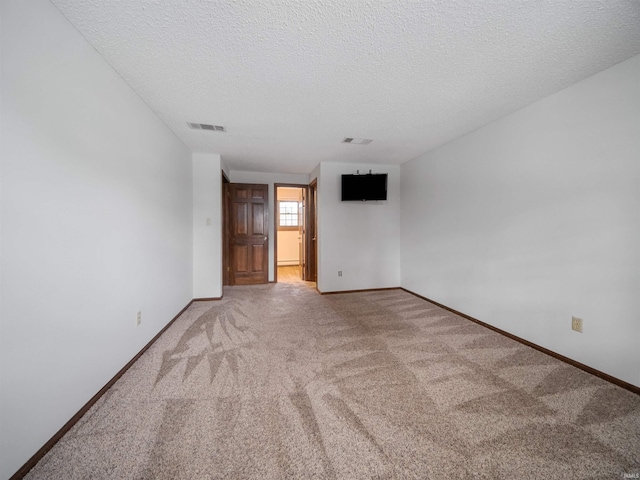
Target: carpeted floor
276,381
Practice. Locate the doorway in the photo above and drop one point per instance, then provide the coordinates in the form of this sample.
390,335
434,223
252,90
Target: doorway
291,240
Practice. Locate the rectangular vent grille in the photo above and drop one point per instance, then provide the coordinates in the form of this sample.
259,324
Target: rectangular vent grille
206,126
357,141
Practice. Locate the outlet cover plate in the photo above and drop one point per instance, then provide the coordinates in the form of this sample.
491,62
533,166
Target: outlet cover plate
576,324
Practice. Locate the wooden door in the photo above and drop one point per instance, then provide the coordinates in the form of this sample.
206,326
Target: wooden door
249,230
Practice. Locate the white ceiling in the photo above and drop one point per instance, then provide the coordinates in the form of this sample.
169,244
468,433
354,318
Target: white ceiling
289,79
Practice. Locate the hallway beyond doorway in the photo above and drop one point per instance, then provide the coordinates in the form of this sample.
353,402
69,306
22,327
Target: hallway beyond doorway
291,274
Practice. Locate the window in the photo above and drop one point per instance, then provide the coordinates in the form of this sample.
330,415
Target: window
288,215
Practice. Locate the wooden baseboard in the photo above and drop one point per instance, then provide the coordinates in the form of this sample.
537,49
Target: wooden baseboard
357,291
205,299
581,366
67,426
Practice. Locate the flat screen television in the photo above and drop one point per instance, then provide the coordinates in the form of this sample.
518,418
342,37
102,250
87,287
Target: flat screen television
364,187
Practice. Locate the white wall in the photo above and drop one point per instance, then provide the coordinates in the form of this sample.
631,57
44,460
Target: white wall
536,218
2,153
269,179
96,225
207,226
288,247
225,168
361,239
315,173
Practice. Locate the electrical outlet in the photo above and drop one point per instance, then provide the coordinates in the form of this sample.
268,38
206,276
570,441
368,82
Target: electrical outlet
576,324
139,318
339,273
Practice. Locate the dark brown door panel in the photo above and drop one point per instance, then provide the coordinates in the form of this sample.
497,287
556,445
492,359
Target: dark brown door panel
249,241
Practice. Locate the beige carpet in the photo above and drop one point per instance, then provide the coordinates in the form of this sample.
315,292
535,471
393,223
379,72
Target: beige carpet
276,382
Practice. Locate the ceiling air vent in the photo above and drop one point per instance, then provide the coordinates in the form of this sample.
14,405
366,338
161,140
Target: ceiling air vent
206,126
357,141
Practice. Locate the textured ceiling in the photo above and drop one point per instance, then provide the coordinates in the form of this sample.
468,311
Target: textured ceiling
290,79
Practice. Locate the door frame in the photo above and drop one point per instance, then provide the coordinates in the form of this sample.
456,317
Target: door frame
312,232
226,233
275,224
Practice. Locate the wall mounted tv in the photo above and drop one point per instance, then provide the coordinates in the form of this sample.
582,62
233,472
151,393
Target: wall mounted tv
364,187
